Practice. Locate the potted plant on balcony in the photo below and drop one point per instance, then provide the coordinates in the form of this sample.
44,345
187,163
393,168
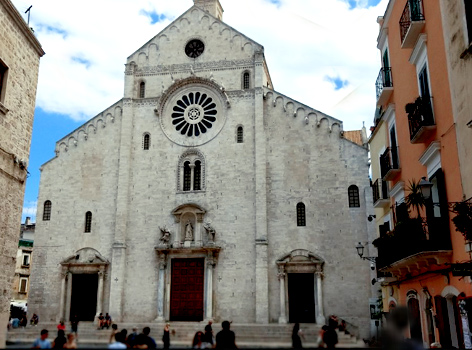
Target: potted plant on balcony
463,221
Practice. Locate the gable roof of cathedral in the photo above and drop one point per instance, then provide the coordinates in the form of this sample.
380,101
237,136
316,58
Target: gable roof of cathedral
182,16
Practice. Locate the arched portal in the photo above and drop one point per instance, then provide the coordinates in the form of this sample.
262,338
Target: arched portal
301,296
83,276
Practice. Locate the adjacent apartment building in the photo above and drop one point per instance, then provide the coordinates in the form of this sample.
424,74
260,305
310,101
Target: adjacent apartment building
419,149
20,52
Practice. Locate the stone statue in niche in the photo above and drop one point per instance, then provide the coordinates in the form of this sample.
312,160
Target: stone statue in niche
165,235
188,231
210,232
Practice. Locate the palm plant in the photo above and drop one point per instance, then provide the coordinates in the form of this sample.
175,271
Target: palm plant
415,200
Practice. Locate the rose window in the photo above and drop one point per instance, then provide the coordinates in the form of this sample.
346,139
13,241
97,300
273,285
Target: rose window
194,114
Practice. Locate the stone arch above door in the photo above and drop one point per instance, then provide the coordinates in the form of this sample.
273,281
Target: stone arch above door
300,260
85,260
189,219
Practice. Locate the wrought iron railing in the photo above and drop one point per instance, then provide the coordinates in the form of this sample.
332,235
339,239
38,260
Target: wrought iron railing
412,12
413,236
389,161
379,190
420,114
384,80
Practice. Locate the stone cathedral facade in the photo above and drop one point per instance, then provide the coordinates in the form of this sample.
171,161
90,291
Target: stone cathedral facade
203,193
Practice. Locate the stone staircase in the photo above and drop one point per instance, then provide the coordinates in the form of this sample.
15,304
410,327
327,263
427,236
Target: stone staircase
182,333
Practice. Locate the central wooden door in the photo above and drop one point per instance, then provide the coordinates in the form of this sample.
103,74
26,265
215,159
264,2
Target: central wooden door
301,297
186,293
84,296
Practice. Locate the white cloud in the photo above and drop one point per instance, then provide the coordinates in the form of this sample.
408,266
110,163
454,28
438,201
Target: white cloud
29,210
304,40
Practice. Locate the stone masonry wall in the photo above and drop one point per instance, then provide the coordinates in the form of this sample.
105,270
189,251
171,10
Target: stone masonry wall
16,121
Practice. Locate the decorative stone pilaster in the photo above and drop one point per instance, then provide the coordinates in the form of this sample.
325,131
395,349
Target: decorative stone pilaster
320,319
160,286
281,276
68,295
101,278
210,264
63,295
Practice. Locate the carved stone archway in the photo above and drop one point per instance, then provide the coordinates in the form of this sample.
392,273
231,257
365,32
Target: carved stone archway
84,261
300,261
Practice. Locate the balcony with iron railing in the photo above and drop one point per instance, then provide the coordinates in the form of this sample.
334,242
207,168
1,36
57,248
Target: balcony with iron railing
380,193
411,23
384,85
389,164
420,119
415,243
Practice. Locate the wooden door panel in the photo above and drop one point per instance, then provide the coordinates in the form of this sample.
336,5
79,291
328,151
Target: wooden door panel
186,302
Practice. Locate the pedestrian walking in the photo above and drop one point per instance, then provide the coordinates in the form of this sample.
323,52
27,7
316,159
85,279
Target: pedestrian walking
119,341
71,343
151,343
60,340
42,342
131,340
297,336
330,337
114,330
74,323
208,336
225,339
166,336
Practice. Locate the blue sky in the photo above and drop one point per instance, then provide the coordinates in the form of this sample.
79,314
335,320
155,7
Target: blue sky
322,53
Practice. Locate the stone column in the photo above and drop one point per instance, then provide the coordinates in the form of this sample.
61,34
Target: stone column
178,232
63,295
281,275
320,319
160,287
210,264
68,295
192,175
198,231
101,277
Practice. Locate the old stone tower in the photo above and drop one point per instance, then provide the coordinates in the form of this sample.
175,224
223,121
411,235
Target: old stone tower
203,193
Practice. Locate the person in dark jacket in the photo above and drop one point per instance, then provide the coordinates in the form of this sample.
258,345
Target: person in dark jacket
225,339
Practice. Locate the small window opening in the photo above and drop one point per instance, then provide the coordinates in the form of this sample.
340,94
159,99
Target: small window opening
3,79
26,260
301,217
88,221
23,285
142,89
146,141
240,134
246,80
468,18
47,211
353,192
197,176
187,176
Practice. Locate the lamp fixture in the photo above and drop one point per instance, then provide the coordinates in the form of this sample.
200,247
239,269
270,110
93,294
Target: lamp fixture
425,187
360,250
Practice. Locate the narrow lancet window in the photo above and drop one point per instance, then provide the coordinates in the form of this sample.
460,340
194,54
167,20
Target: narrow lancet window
88,221
146,141
240,134
142,89
47,211
246,80
197,176
187,176
301,216
353,192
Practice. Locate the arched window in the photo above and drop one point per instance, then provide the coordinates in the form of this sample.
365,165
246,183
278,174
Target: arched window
301,216
191,171
353,192
197,176
246,77
146,141
240,134
142,89
88,221
47,211
187,176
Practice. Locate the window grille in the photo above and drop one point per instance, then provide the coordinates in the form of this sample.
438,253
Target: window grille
240,134
197,176
146,141
353,192
187,176
301,216
142,89
47,211
88,221
246,80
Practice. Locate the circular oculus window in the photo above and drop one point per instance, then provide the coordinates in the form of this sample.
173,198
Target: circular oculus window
193,115
194,48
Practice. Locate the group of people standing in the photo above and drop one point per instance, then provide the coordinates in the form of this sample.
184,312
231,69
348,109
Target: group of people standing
225,339
328,337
